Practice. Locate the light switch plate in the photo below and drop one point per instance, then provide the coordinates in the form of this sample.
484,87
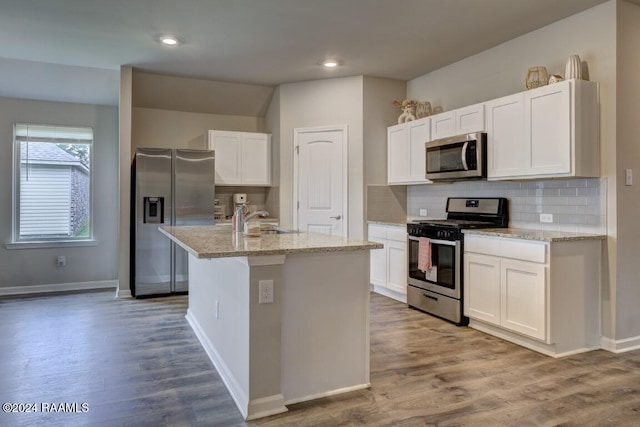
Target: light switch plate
265,291
628,177
546,217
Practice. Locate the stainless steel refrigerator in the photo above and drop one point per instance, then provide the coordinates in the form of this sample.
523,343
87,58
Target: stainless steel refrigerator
169,187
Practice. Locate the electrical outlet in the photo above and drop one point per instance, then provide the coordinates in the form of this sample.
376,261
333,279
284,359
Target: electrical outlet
216,310
546,217
61,261
265,290
423,212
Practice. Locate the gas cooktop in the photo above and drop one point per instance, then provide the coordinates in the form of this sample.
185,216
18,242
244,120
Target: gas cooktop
456,223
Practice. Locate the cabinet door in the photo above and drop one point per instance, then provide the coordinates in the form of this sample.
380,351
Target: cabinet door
482,287
397,154
419,131
505,137
228,153
548,130
397,266
524,298
378,263
443,125
470,119
256,159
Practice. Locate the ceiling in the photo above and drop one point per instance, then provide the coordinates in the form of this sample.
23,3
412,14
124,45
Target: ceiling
267,42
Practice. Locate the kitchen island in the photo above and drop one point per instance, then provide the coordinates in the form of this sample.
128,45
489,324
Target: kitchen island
283,317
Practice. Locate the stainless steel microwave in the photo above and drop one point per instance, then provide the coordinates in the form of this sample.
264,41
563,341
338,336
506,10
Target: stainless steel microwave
456,158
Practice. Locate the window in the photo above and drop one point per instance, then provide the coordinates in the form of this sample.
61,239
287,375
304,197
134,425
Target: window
52,183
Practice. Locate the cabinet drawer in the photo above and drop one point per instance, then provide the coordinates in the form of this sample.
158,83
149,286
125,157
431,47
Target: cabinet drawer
507,248
525,251
482,245
399,234
379,231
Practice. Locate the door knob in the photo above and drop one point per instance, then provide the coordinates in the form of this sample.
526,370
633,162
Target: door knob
336,217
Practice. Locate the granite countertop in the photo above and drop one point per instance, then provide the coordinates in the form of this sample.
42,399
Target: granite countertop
540,235
218,241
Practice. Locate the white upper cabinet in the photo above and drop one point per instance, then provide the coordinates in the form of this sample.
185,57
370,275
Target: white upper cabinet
242,158
505,136
457,122
406,157
548,132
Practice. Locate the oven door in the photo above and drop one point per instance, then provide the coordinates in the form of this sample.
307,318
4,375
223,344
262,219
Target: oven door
444,276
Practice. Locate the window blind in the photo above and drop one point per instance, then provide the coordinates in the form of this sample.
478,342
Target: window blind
51,133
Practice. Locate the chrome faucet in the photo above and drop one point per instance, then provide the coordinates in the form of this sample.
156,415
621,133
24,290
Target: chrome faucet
239,218
254,214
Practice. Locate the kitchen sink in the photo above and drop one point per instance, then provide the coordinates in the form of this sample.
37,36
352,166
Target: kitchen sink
270,229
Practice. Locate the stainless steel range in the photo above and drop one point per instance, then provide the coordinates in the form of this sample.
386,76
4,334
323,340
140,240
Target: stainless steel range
435,273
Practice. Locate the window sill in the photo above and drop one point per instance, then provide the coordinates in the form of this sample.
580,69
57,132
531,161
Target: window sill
53,244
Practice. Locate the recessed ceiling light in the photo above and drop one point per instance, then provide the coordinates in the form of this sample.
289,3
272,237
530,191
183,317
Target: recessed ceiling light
169,40
330,63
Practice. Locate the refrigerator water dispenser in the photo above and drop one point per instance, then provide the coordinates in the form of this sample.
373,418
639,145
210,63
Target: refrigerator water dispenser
153,210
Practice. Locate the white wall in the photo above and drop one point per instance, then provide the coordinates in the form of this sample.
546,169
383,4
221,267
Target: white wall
124,172
30,267
177,129
323,103
627,317
378,114
502,70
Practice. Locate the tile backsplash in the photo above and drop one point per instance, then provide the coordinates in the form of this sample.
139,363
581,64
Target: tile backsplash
387,203
577,205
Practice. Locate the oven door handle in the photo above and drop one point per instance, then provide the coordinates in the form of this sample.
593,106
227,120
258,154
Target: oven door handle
436,242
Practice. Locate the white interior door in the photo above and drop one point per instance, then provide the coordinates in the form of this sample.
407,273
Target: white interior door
320,184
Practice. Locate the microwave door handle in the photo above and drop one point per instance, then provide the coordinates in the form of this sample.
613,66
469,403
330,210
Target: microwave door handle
464,156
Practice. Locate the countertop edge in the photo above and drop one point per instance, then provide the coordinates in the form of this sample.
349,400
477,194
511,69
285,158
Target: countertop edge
364,245
391,223
537,235
267,252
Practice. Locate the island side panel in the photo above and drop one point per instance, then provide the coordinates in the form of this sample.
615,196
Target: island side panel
325,324
265,397
225,334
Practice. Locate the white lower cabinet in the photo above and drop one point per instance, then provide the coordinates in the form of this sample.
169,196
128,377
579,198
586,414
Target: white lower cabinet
523,302
388,271
541,295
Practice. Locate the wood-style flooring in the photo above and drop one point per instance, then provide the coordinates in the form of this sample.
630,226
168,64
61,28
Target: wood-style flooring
137,363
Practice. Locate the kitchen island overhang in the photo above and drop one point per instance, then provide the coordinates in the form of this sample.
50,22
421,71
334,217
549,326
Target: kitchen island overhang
311,341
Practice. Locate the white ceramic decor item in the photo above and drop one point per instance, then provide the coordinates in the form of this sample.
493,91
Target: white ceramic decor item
573,69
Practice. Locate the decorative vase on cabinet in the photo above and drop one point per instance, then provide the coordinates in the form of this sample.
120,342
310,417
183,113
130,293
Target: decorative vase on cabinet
536,77
573,69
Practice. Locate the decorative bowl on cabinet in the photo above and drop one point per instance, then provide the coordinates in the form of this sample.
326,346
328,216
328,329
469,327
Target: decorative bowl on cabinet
536,77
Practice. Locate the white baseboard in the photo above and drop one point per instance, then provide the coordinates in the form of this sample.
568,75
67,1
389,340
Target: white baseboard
250,409
58,287
620,346
123,293
329,393
390,293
